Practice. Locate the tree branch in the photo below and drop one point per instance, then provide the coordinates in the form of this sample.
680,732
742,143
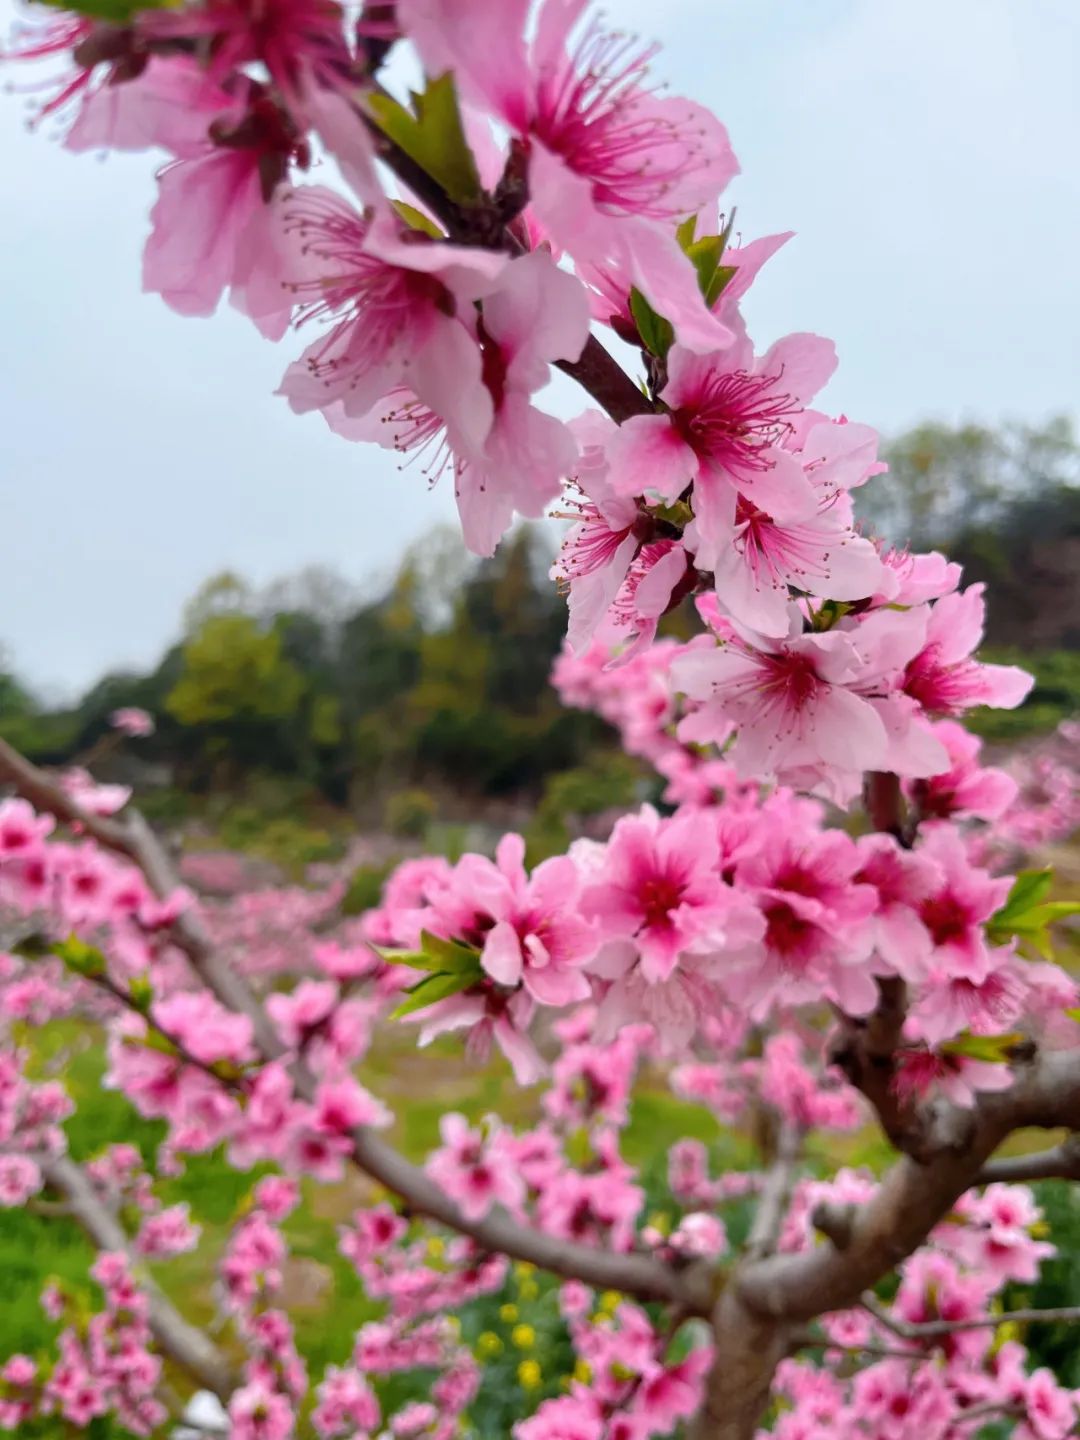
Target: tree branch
648,1278
914,1196
933,1329
178,1339
775,1193
1061,1162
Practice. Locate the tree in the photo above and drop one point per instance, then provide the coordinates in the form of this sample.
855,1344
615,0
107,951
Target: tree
788,973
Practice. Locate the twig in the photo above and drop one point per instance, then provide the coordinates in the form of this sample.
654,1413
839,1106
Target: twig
934,1329
775,1193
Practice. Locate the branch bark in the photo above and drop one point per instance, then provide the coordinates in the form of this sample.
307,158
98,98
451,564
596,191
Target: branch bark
1060,1162
181,1341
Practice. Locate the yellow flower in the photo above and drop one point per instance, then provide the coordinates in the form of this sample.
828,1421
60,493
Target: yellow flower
523,1269
436,1246
508,1314
528,1373
610,1301
489,1345
523,1336
583,1372
529,1290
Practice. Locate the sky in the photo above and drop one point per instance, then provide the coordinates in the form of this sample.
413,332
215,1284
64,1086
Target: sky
923,150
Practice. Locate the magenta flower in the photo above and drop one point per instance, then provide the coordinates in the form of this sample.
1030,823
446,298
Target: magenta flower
659,887
476,1168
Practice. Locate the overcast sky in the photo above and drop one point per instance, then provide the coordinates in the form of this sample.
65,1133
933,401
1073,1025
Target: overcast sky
924,151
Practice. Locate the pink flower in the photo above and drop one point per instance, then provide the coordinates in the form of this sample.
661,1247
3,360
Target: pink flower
387,295
944,679
1049,1410
132,721
612,168
966,788
22,829
794,700
728,415
256,1412
19,1179
659,887
474,409
819,554
817,939
300,42
343,1104
475,1168
537,939
954,912
957,1077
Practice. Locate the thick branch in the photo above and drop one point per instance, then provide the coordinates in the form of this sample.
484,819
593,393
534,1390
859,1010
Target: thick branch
914,1196
1061,1162
640,1275
182,1342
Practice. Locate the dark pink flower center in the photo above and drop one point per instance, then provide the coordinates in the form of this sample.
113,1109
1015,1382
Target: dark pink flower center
594,112
658,896
735,418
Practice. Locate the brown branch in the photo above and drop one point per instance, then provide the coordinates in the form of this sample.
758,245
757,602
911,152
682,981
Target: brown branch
914,1196
1061,1162
935,1329
176,1337
775,1193
635,1274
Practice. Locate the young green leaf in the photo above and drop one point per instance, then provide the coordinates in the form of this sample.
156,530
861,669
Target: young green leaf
657,334
80,958
449,954
995,1048
433,136
431,990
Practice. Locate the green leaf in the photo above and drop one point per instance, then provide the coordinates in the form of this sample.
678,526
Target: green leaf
417,220
141,992
431,990
995,1048
1028,889
432,134
450,954
686,232
1027,913
118,12
79,957
657,334
719,282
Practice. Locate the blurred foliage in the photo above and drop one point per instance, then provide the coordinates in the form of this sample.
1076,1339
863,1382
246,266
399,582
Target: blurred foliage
440,683
409,813
364,890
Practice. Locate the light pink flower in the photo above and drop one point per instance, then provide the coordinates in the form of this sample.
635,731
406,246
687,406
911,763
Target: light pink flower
612,167
728,415
943,677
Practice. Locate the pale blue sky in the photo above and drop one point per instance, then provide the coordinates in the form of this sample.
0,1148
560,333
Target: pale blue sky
924,151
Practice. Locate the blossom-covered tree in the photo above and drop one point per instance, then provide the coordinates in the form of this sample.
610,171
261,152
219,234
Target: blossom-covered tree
788,962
